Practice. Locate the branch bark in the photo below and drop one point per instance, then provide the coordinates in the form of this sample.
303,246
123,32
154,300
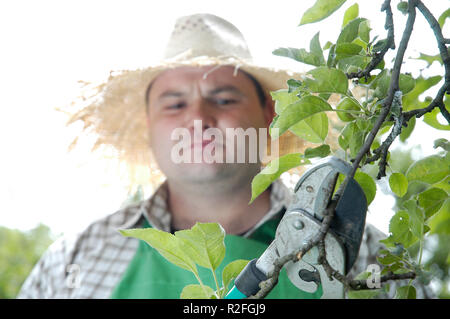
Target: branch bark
362,284
438,101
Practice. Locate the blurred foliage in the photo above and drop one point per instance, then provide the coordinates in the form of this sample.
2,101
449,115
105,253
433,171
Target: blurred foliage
19,252
436,249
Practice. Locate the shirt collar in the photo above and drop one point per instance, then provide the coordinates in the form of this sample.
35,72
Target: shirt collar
155,208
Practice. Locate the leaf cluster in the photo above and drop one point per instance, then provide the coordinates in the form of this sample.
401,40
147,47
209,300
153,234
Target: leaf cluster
341,71
202,245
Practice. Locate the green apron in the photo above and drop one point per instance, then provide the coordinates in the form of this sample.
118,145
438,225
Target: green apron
151,276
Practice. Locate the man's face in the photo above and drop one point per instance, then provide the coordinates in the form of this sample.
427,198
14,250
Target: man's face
181,97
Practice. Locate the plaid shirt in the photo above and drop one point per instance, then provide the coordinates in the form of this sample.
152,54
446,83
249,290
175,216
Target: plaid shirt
91,264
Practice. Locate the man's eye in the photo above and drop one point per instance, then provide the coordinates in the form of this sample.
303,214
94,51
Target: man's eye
225,101
176,106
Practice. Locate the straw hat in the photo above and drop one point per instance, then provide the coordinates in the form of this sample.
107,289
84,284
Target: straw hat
115,112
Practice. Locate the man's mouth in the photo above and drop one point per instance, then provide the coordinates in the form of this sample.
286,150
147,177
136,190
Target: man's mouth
201,144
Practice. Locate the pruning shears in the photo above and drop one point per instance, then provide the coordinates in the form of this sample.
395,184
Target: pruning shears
301,221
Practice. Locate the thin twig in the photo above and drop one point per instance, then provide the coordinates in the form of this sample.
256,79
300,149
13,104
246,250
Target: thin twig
362,284
390,44
382,151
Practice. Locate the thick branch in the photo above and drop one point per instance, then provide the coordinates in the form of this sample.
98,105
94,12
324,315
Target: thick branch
393,87
441,41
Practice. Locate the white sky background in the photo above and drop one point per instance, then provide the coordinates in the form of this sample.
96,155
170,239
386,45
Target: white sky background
47,46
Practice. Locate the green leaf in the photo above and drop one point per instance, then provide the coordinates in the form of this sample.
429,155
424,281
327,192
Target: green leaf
327,80
293,85
362,124
312,129
411,101
350,31
402,6
443,17
431,119
316,49
416,218
399,184
327,45
406,131
353,63
320,151
273,171
377,47
361,43
331,61
232,270
399,227
282,99
444,184
207,240
320,10
300,55
345,50
367,184
432,200
381,82
406,292
430,58
442,142
346,135
356,141
429,170
197,292
364,31
387,258
350,14
440,222
314,57
304,108
406,84
169,246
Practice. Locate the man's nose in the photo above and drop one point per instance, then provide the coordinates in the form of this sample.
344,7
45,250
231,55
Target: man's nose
200,110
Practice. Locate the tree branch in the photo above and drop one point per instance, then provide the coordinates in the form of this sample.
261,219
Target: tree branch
390,44
393,86
400,118
387,103
438,101
382,151
362,284
441,41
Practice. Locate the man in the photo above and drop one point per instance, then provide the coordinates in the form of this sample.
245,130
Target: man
207,80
